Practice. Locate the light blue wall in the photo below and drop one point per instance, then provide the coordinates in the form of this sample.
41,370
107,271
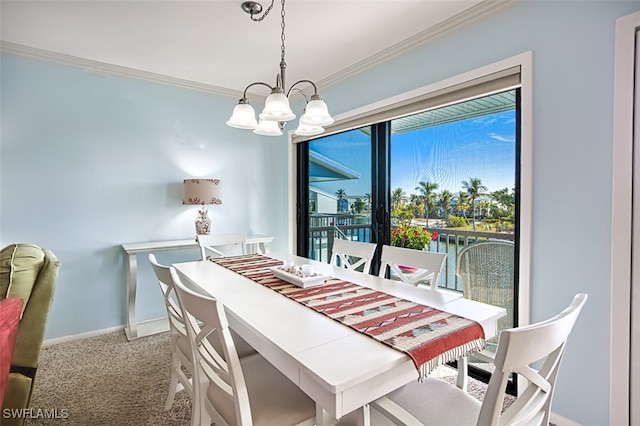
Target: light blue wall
90,162
573,63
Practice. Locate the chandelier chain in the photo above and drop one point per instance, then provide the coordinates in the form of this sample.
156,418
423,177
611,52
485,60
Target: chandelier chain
282,25
264,15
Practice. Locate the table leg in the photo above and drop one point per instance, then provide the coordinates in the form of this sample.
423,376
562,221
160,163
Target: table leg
463,378
323,418
364,416
132,273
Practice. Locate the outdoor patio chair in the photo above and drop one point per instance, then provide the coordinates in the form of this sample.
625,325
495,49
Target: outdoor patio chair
353,255
437,402
486,269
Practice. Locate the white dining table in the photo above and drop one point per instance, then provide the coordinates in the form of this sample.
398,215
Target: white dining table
340,368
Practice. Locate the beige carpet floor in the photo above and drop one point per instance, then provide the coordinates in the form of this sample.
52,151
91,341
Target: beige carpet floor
109,381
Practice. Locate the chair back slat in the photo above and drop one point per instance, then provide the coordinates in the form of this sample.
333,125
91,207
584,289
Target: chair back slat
352,255
428,264
222,245
518,349
180,350
165,281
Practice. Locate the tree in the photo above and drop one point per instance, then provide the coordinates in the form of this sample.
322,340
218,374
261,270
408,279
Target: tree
475,189
462,204
506,203
358,205
426,191
342,198
398,198
415,205
445,200
367,201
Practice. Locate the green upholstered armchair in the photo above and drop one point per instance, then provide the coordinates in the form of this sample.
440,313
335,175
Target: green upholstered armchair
30,273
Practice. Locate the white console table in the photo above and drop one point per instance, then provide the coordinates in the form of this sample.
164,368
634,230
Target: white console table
133,330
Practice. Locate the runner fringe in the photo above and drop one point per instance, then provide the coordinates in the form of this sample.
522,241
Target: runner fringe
466,349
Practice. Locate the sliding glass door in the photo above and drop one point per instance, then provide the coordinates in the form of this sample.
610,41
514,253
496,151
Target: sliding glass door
452,170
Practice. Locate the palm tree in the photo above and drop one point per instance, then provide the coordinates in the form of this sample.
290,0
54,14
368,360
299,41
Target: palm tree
426,190
462,204
445,199
397,199
475,189
342,195
416,205
506,201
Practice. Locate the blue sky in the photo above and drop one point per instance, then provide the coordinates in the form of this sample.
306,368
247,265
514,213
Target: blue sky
448,154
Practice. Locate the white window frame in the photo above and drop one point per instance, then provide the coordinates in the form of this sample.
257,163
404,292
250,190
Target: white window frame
525,62
622,221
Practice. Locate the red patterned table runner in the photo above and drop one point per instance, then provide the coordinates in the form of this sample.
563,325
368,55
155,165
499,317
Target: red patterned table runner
429,336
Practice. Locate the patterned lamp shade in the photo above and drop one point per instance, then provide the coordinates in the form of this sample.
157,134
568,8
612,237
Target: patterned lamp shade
202,191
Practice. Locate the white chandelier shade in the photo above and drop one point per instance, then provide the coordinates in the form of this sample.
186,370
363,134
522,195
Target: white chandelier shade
276,108
243,117
308,129
268,128
316,113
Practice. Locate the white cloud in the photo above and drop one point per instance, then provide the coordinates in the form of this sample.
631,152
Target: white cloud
501,138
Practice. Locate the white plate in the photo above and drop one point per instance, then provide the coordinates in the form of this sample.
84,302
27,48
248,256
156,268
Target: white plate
303,282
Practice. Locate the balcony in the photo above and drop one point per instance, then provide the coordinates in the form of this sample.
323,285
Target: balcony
324,228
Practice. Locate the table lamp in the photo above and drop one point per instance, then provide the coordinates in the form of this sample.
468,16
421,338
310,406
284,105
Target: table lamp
202,191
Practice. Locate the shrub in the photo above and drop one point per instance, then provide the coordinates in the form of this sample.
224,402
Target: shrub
456,221
413,237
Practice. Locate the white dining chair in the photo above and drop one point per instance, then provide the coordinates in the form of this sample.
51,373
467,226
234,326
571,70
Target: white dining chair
180,346
353,255
222,245
181,366
412,266
437,402
230,390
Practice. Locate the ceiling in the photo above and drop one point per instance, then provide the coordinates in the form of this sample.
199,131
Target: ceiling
214,44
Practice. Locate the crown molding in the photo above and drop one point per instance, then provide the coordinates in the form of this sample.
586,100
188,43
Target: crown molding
461,19
103,68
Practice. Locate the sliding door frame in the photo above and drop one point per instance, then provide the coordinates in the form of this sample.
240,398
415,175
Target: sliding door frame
620,394
524,61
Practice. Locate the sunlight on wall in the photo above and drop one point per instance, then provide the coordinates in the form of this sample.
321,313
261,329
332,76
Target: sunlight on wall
191,152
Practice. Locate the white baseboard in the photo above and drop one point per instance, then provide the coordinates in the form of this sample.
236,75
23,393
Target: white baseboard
81,336
558,420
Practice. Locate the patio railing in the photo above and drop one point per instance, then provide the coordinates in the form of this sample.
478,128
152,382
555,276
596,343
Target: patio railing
450,240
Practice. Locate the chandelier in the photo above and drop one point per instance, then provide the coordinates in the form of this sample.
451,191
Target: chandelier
277,110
